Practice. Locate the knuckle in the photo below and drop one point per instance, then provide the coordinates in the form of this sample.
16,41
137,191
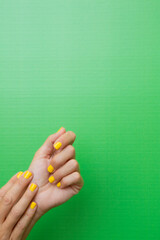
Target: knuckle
58,175
29,194
74,163
21,225
55,161
50,137
71,149
77,176
29,214
15,212
21,182
7,200
72,134
64,182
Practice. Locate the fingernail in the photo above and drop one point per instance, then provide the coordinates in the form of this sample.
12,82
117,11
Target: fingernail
50,168
33,187
51,179
59,129
57,145
19,174
58,184
33,204
27,175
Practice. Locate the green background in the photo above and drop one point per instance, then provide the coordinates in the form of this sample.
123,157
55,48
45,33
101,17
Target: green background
91,66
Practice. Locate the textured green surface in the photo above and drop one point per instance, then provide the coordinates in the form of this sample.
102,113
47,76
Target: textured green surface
94,68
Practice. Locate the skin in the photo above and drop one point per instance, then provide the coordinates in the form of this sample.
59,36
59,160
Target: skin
66,171
15,211
16,218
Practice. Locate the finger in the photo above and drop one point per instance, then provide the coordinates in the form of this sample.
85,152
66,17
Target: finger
24,222
67,138
47,148
13,195
9,184
20,207
61,158
72,179
70,167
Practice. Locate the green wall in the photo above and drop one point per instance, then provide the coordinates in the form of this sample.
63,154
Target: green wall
92,66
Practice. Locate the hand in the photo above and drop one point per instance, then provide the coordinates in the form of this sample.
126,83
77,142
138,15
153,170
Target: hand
15,212
66,171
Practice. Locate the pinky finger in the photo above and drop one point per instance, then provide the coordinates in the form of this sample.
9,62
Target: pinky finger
24,222
72,179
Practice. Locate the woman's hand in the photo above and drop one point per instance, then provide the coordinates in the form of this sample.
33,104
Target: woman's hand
56,171
16,207
64,182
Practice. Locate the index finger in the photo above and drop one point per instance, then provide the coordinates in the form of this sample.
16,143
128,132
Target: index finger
64,140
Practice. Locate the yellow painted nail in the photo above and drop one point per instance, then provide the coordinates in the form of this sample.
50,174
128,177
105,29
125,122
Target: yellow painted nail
59,129
57,145
19,174
50,168
51,179
58,184
33,204
27,175
33,187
